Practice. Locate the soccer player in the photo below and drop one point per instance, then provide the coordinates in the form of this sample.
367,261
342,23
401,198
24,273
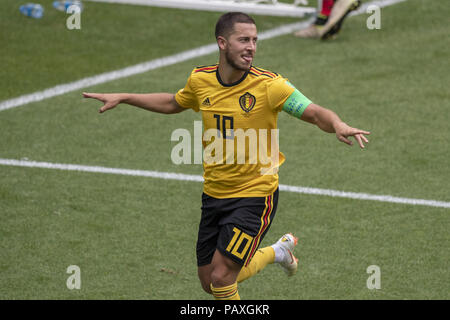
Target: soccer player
330,19
240,197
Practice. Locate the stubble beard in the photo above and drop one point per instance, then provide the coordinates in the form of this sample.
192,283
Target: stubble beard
233,64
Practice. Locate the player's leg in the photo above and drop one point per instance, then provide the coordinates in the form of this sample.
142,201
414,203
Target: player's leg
218,259
204,275
340,11
243,224
223,277
260,217
208,233
281,253
220,275
262,258
233,229
313,31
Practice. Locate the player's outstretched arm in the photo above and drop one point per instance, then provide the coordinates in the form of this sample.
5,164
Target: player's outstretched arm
156,102
329,121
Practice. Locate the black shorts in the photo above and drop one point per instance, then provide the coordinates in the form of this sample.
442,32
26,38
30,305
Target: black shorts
234,226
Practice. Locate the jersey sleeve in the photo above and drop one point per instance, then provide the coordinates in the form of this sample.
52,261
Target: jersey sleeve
187,97
278,91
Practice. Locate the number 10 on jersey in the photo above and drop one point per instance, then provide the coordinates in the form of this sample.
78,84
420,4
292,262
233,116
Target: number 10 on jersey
226,124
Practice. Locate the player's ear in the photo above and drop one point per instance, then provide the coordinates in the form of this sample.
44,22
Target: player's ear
222,42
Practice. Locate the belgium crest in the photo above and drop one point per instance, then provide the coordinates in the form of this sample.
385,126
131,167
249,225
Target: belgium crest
247,102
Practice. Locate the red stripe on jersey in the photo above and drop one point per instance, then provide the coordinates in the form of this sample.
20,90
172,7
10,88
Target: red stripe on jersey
263,72
206,69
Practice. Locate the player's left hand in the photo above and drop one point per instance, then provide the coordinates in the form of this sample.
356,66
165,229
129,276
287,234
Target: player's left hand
343,131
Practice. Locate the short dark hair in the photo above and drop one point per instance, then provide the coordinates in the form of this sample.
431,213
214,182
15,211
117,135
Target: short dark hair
225,24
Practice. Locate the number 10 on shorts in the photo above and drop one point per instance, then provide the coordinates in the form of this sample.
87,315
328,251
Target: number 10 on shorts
236,242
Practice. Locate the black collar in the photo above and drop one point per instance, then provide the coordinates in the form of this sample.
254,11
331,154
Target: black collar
231,84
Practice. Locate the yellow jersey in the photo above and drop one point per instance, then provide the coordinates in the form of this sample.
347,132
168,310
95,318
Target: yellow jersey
240,129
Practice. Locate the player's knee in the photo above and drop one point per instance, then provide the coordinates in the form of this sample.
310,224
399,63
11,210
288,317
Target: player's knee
221,277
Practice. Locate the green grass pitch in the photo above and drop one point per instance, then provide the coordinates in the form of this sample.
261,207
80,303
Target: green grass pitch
134,237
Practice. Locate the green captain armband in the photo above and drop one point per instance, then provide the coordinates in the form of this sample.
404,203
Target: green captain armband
296,103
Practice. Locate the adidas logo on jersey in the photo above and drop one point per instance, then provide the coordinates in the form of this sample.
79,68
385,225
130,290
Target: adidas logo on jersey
206,102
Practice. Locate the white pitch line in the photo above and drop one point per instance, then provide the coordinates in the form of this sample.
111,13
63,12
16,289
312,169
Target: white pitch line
96,169
106,77
364,196
136,69
198,178
154,64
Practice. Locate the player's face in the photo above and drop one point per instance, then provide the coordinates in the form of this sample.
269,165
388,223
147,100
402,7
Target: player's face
241,46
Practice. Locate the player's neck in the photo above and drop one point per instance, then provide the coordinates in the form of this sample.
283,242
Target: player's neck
229,74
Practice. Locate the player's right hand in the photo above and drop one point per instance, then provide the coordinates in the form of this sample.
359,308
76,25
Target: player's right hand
110,100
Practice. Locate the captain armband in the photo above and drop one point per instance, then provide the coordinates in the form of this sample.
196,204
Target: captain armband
296,103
